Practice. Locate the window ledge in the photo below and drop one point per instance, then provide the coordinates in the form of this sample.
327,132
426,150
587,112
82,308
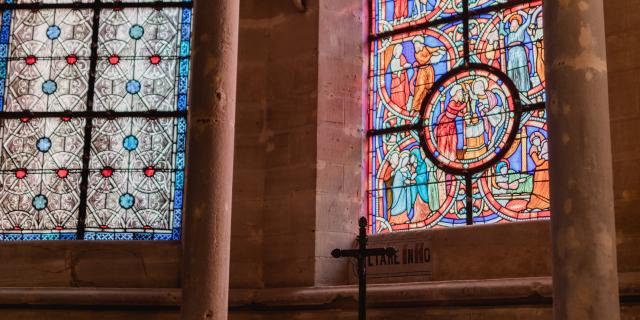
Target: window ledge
466,292
518,291
129,297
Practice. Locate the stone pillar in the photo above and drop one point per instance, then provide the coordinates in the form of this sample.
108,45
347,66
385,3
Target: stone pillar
585,277
207,227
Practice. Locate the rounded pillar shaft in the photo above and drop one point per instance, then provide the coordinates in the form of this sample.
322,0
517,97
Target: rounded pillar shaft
207,225
585,278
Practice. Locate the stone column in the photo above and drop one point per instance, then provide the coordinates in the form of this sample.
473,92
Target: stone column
207,232
585,277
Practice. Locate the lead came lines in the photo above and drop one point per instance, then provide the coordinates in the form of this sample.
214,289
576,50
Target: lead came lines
51,87
475,157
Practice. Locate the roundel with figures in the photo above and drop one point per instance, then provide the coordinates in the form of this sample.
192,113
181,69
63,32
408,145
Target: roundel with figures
469,120
457,121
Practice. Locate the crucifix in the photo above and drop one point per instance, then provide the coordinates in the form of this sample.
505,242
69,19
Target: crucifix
361,255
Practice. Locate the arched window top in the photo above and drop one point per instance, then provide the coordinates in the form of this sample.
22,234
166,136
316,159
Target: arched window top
93,119
457,126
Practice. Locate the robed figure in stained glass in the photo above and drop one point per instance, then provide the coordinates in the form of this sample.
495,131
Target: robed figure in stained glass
518,63
425,76
419,192
403,179
399,79
436,187
510,182
446,128
540,154
489,106
536,34
400,10
387,175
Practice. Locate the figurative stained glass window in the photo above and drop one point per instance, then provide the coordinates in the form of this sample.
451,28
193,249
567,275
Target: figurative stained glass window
93,106
457,125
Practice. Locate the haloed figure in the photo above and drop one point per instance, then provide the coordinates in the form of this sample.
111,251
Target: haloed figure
489,107
536,34
518,67
400,92
540,154
426,75
404,177
446,128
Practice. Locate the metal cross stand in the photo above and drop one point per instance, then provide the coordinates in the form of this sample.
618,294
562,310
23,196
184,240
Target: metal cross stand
361,254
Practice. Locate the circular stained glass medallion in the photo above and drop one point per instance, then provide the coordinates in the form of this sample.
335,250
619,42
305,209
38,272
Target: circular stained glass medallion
114,59
155,59
43,144
21,174
470,119
31,60
49,87
72,59
130,143
40,202
136,32
127,201
150,171
133,86
62,173
53,32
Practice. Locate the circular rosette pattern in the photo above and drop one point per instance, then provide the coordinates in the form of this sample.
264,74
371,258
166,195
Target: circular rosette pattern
470,119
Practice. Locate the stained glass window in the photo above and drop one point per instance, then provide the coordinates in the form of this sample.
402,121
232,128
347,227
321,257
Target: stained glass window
93,106
457,121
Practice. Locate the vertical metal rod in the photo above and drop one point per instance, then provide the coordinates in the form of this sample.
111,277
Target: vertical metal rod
362,290
465,25
362,271
88,128
469,198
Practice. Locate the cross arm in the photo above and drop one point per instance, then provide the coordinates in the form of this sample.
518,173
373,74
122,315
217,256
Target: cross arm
337,253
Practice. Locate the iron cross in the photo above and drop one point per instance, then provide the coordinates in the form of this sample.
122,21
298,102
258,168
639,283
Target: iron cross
361,254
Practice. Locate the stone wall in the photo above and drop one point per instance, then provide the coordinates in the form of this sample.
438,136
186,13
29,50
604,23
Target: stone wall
275,174
299,141
299,168
298,183
623,45
251,139
108,264
289,216
341,139
299,171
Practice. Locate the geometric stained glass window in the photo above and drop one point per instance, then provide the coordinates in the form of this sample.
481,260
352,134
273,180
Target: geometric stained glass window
457,121
93,106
